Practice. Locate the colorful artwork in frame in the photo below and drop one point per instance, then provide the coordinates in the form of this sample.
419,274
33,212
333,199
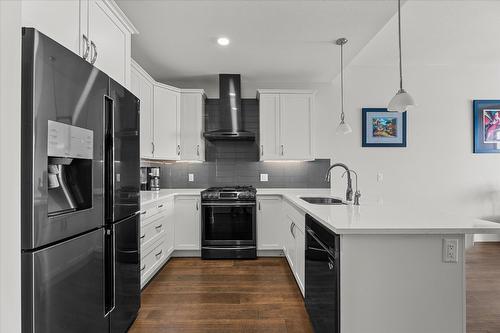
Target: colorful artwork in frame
487,126
382,128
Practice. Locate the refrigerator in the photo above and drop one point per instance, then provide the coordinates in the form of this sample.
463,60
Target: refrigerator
80,194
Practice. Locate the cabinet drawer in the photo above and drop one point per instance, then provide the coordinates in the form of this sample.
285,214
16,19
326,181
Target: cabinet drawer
152,232
154,258
152,209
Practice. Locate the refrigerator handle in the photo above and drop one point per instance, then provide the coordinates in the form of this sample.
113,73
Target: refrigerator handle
109,158
110,271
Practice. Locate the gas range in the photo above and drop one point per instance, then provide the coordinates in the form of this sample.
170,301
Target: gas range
230,193
228,220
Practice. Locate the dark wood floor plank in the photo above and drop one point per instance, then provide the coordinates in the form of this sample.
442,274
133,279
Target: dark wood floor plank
248,296
218,296
483,288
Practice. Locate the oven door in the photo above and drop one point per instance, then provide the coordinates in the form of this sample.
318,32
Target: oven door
228,224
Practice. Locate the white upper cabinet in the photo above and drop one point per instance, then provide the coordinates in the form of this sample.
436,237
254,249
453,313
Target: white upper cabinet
286,124
269,109
97,30
59,20
166,122
142,86
192,144
110,40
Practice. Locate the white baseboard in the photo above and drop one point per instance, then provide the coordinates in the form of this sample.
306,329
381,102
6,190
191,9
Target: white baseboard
487,238
186,253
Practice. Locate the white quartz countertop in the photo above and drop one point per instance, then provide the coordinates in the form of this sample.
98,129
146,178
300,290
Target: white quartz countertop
369,218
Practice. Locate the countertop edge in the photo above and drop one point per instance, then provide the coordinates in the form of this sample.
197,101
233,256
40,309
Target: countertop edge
293,200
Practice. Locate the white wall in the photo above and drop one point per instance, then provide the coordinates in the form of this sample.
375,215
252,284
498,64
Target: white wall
10,129
451,57
450,61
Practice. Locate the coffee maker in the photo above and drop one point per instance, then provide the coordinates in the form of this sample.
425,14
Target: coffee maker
150,179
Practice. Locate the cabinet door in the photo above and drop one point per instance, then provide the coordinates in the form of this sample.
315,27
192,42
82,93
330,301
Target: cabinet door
191,132
269,126
300,248
295,126
112,42
289,242
169,236
187,223
269,223
143,89
59,20
166,123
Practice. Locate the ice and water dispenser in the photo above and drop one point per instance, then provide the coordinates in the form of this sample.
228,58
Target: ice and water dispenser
69,169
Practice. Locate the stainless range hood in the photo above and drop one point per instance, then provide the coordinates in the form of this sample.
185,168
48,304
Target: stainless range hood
229,118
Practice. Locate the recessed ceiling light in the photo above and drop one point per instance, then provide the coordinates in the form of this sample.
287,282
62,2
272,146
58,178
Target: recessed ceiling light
223,41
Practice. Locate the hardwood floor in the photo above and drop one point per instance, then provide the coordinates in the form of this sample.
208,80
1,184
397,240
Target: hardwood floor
250,296
483,288
198,296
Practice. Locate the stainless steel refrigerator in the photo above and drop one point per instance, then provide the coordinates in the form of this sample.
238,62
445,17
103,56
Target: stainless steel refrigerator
80,194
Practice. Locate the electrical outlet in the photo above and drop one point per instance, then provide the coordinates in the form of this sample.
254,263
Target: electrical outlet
450,250
380,177
190,177
264,177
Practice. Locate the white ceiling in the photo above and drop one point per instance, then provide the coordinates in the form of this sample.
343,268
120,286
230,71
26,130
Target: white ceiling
271,41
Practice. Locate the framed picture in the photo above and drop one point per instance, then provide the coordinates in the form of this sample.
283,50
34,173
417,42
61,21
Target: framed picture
487,126
382,128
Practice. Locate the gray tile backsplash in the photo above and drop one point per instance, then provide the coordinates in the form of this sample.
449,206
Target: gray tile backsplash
222,172
237,162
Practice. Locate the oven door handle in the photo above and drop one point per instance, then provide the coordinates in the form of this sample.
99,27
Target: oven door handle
228,248
222,204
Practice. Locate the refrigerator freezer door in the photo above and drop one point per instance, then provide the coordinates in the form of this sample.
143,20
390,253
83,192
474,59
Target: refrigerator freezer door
126,166
63,287
127,275
59,86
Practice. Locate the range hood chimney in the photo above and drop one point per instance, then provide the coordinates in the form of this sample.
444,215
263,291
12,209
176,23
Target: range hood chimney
229,118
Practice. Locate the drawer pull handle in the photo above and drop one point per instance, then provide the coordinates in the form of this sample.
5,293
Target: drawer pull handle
158,255
143,213
142,237
160,206
143,267
159,226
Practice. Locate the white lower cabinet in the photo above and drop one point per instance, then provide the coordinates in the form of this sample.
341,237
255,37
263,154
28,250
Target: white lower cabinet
187,223
294,242
269,217
156,237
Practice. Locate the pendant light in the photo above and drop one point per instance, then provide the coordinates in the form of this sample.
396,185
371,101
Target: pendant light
403,100
343,128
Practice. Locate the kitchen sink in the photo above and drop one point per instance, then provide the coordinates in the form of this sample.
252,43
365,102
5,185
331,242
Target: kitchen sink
323,201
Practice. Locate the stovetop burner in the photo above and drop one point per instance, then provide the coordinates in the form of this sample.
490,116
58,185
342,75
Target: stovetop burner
229,193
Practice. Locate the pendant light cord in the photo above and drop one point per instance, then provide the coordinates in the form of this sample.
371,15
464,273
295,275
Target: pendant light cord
342,115
400,52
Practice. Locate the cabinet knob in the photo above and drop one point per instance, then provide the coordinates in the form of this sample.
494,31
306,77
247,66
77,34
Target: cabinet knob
282,150
179,150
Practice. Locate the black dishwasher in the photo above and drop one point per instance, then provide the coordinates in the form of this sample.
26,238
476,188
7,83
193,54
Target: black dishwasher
322,277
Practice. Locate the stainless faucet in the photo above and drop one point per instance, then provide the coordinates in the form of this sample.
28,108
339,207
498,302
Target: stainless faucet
357,194
348,193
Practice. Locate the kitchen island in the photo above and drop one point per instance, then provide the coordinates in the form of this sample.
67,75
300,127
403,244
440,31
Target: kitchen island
394,274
